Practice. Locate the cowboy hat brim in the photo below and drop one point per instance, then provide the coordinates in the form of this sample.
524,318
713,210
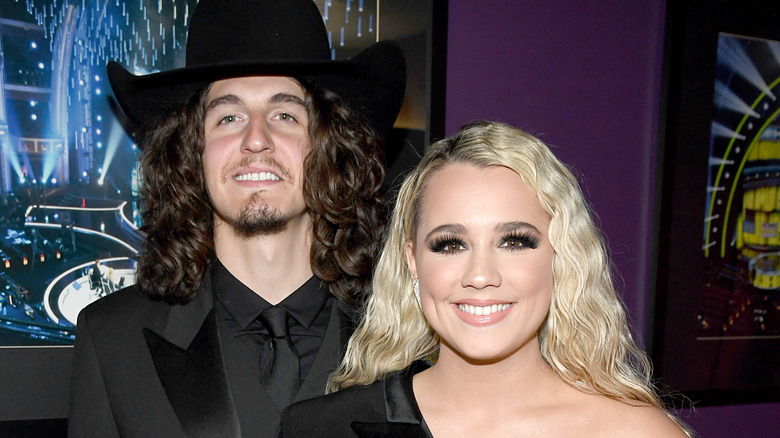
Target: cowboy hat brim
371,83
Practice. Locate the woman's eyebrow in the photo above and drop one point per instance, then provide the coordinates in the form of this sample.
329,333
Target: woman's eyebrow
447,228
507,227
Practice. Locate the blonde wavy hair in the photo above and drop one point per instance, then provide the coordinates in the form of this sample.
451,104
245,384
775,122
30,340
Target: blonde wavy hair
585,339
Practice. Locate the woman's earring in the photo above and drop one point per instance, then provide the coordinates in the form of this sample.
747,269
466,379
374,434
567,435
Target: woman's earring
416,288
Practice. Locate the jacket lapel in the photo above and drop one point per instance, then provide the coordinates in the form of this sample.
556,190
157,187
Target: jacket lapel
403,415
187,356
388,430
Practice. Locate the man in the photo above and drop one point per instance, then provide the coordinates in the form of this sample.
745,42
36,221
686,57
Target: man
261,167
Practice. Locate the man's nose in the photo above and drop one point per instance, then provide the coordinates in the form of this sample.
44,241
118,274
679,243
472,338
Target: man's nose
257,137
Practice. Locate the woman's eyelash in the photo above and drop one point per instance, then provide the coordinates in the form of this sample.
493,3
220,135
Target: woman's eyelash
519,240
511,241
446,244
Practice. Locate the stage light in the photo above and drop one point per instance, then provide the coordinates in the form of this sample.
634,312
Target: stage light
24,261
99,118
21,180
97,91
98,131
43,258
99,145
100,181
97,78
41,65
33,103
59,255
83,129
7,263
81,82
33,45
54,180
34,116
84,174
115,135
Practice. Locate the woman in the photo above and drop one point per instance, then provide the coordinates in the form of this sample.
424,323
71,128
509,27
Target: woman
494,273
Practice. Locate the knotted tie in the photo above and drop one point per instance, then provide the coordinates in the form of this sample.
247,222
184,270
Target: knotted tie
280,375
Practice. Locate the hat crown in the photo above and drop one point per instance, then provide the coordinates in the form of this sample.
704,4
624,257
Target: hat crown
235,31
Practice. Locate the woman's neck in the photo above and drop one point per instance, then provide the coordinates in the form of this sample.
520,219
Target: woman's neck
458,397
489,382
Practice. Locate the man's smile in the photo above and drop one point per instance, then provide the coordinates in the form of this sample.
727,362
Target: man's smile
257,176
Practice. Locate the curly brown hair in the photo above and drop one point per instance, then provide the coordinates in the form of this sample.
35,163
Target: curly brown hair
342,190
177,215
343,184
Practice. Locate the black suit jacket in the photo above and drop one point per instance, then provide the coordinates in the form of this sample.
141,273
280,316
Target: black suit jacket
147,368
385,409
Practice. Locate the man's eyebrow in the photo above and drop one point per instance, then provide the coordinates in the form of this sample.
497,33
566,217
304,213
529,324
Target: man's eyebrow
286,98
227,99
232,99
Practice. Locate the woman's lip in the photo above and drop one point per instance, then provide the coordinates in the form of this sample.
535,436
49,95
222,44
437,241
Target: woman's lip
475,302
484,315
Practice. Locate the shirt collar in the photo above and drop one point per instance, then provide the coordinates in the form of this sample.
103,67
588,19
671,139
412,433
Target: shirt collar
304,304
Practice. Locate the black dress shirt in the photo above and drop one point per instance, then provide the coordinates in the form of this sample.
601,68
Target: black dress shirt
239,308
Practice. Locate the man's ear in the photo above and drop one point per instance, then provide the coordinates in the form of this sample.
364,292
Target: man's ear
411,262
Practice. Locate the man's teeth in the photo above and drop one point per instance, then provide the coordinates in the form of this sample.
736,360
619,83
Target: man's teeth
257,176
480,311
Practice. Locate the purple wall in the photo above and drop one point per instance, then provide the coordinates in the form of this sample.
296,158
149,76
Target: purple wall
586,78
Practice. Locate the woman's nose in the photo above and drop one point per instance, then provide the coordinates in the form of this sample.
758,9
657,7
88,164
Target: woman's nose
481,271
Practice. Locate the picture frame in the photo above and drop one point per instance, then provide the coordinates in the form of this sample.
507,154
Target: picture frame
715,319
37,376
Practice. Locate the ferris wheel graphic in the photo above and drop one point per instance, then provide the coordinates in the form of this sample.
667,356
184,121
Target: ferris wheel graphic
742,217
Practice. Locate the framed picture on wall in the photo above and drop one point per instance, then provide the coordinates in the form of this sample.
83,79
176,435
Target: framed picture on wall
716,331
69,206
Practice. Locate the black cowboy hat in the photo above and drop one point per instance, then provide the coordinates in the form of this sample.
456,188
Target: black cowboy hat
234,38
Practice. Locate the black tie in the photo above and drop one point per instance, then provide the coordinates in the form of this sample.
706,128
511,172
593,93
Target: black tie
280,375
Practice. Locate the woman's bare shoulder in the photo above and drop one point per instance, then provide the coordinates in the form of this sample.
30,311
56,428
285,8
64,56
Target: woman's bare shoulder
635,419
